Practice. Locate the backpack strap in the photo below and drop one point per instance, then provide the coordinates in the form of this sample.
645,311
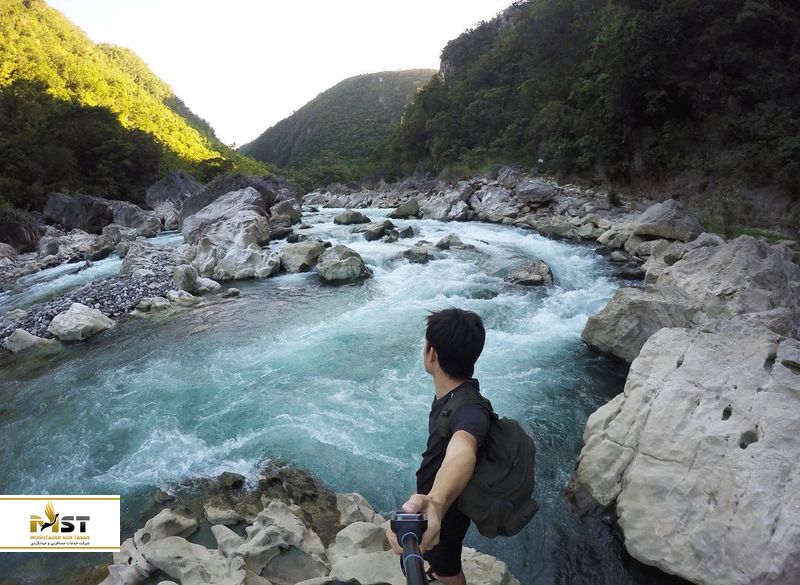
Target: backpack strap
468,394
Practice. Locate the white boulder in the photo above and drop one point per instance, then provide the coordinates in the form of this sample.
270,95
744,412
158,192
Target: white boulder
77,323
341,264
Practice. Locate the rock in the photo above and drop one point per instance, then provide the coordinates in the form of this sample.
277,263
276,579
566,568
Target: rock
418,254
535,273
406,232
14,314
350,217
194,564
631,316
460,211
667,220
508,177
185,277
77,323
481,568
206,285
453,241
288,209
493,204
407,210
280,232
238,263
631,271
619,257
301,257
20,340
182,298
148,304
616,236
341,264
435,209
268,188
7,251
129,215
166,523
376,230
356,539
703,444
535,192
175,188
231,292
377,567
556,226
354,507
236,219
83,212
221,515
294,238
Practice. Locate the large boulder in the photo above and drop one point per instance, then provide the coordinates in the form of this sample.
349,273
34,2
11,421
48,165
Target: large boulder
535,192
407,210
289,209
77,323
699,454
230,232
78,245
375,230
175,188
271,189
82,212
341,264
301,257
438,208
668,220
534,273
350,217
743,277
494,204
508,177
132,216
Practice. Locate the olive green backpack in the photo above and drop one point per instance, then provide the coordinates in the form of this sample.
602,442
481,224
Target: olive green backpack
498,497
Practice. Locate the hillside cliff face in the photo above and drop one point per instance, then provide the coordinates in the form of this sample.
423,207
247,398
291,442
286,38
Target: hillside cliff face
631,92
341,125
75,115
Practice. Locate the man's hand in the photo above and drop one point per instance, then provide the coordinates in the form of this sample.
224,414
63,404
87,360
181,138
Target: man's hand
421,504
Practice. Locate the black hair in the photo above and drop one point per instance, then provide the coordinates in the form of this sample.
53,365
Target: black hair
458,337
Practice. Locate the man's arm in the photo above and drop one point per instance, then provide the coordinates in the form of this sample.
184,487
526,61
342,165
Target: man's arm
451,479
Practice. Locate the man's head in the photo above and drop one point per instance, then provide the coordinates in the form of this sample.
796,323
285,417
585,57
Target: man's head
454,339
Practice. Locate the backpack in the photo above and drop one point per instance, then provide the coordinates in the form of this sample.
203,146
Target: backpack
498,497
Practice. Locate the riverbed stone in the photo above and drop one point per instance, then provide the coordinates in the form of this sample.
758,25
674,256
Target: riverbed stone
534,273
301,257
454,242
7,252
341,264
702,445
407,210
493,204
185,277
78,323
375,230
182,298
350,217
535,192
20,340
286,208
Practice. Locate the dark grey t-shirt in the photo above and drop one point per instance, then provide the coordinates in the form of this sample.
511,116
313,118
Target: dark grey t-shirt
469,417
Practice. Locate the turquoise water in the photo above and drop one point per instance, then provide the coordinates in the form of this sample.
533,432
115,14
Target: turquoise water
330,379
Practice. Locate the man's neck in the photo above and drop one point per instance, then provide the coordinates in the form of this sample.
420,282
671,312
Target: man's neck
444,384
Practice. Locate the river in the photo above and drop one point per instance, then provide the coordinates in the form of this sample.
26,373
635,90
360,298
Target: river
331,380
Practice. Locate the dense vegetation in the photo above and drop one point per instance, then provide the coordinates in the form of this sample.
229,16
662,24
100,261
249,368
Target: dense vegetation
623,91
330,137
78,116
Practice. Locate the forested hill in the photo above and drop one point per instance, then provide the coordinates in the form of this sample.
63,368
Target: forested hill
626,91
75,115
336,131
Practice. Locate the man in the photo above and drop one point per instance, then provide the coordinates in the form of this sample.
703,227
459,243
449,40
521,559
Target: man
454,339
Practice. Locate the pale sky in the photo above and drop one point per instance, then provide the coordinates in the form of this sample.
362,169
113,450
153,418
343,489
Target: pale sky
244,65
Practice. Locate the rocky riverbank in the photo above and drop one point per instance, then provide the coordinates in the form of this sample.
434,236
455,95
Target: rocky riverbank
286,529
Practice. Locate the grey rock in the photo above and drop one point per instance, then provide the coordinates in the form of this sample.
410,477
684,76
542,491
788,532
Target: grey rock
341,264
301,257
78,211
435,209
182,298
350,217
185,277
376,230
7,251
406,232
175,188
536,192
454,242
78,323
407,210
508,177
290,209
20,340
668,220
231,292
535,273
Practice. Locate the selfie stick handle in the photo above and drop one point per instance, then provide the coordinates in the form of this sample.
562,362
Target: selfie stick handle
412,560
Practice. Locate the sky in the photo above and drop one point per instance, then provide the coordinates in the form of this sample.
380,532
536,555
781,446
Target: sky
244,65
